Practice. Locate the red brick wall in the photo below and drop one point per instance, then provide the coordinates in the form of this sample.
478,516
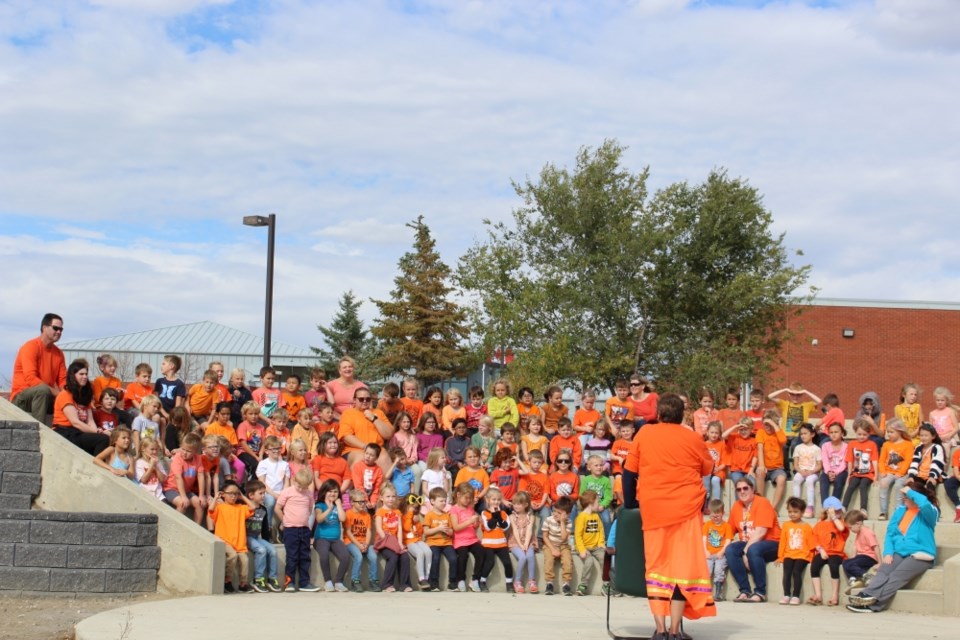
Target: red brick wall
890,347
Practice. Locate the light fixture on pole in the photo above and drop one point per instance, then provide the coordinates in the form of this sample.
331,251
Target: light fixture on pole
271,223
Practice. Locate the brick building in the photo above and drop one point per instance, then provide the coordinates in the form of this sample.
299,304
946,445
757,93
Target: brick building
851,346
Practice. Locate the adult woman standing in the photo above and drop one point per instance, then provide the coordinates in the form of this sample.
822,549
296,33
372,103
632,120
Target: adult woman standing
644,401
342,389
671,462
73,411
754,520
909,549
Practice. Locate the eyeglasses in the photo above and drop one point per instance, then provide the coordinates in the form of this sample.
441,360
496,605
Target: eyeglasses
273,450
741,489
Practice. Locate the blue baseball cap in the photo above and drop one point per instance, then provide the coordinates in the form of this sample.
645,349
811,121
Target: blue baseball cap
832,503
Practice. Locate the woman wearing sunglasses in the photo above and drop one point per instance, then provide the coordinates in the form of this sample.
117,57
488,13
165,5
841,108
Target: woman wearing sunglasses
758,528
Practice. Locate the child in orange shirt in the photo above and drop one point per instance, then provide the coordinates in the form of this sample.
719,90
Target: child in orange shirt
412,404
278,429
508,439
368,476
534,440
106,380
230,525
536,484
731,414
831,536
358,536
433,403
453,411
221,426
620,407
390,539
717,535
717,448
325,421
862,457
412,524
553,410
139,389
203,397
706,414
495,527
566,442
564,481
390,403
797,544
621,446
586,417
741,450
291,398
526,409
304,431
474,475
438,530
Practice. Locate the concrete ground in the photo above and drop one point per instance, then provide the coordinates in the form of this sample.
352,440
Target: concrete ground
470,616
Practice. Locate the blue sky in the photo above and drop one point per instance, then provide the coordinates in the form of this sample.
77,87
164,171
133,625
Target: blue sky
137,133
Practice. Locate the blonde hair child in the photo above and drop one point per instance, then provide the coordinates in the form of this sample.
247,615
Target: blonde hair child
523,543
387,523
116,458
909,410
436,474
454,409
151,469
944,419
146,425
534,440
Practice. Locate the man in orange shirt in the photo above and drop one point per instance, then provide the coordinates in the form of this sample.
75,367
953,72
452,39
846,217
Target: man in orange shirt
361,425
671,462
40,372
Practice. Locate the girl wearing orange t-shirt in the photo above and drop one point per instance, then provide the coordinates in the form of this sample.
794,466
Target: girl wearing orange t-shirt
433,403
388,523
526,408
553,410
831,534
717,449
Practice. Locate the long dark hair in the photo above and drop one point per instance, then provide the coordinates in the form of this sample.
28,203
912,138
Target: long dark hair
928,489
929,428
83,396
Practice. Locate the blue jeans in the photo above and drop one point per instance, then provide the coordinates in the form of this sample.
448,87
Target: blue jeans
264,556
269,503
714,487
357,557
759,554
737,476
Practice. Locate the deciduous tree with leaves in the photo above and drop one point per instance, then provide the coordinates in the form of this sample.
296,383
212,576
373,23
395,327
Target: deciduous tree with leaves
421,330
594,279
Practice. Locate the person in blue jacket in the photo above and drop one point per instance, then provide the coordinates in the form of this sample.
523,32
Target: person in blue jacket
908,551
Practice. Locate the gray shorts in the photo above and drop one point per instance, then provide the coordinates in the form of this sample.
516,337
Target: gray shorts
170,494
773,474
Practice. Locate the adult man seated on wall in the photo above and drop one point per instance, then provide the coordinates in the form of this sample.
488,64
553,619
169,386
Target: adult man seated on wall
361,425
40,372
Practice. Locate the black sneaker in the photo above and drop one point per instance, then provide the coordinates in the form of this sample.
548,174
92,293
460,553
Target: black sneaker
510,588
259,585
433,588
549,590
856,609
483,586
245,588
567,591
228,587
375,586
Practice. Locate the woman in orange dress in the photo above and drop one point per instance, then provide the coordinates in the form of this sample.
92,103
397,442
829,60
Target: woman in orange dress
671,462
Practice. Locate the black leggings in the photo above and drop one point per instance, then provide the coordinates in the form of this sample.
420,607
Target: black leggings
489,559
816,567
391,560
475,550
793,576
92,443
853,484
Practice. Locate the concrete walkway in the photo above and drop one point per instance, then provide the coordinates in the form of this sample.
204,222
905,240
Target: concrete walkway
472,616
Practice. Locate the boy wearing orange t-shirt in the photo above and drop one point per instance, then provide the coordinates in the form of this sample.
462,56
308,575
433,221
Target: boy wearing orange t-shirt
203,397
537,485
139,389
278,428
473,474
717,536
770,464
368,476
741,450
620,407
358,536
230,525
731,414
566,441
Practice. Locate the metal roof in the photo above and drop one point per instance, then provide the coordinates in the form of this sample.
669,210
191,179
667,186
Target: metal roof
195,337
885,304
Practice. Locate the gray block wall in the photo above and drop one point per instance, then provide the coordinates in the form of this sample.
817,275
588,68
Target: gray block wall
83,553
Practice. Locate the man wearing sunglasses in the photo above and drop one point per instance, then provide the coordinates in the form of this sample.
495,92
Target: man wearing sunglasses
40,372
361,425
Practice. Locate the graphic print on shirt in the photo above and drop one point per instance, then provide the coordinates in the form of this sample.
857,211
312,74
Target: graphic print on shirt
861,461
368,480
714,539
796,539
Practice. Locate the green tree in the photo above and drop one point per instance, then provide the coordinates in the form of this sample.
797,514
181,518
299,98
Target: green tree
346,336
421,330
594,279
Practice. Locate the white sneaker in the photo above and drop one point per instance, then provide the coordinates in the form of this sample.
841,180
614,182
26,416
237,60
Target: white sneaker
461,586
328,586
475,586
340,587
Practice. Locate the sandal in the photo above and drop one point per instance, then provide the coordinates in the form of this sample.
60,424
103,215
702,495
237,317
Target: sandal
815,601
743,597
757,597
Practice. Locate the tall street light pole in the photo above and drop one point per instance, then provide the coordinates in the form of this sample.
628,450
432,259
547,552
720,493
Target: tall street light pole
271,223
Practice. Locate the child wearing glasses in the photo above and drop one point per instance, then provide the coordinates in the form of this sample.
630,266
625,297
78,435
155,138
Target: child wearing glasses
412,524
565,483
229,513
